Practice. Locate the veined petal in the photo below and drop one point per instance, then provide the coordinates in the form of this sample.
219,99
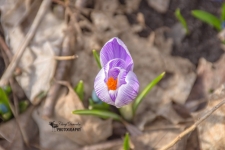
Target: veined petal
117,73
101,88
117,62
115,48
127,92
114,72
121,77
113,68
113,95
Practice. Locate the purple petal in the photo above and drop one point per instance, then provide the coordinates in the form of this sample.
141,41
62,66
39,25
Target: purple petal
122,77
115,48
113,95
127,92
114,72
113,68
119,74
117,62
101,88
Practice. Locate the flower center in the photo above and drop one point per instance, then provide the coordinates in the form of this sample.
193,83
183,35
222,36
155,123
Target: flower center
112,83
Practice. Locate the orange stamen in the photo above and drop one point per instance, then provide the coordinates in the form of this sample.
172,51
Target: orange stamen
112,83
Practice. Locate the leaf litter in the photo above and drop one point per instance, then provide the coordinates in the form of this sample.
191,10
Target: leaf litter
165,112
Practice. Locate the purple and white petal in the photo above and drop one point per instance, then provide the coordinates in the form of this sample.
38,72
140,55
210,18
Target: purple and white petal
121,78
127,92
101,88
113,95
119,74
114,72
115,48
117,62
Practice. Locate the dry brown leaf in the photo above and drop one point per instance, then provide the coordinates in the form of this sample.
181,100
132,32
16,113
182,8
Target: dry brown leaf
11,131
179,78
168,112
37,63
101,20
160,5
148,141
211,131
209,77
155,139
107,5
144,119
93,129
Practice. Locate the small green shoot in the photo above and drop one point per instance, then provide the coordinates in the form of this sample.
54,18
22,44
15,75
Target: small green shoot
23,105
96,55
100,113
7,89
126,145
181,20
5,111
223,13
40,96
79,89
146,90
100,106
207,18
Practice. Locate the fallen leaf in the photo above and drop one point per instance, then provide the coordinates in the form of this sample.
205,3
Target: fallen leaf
211,131
12,135
37,63
209,77
161,5
93,129
168,112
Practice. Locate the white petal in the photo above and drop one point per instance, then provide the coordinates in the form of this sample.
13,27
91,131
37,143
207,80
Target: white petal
101,88
127,92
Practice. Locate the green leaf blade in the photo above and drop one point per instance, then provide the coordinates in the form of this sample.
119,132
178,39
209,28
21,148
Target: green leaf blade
5,101
223,13
101,106
100,113
126,145
96,56
7,89
181,19
207,18
79,89
146,90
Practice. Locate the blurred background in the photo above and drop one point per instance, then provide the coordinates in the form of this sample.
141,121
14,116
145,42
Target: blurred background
56,39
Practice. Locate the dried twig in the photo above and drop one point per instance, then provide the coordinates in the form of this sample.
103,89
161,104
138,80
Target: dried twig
9,71
15,114
5,48
7,56
65,57
60,2
13,83
194,126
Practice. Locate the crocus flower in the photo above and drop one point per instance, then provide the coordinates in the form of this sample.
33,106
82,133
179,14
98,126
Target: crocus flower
116,83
